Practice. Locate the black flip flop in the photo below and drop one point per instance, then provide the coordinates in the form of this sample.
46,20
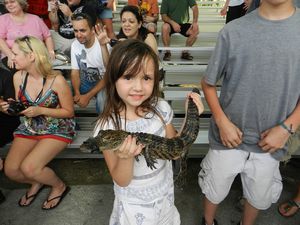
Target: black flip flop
60,197
33,197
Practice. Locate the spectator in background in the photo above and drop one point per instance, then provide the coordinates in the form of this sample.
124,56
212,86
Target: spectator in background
131,27
60,17
149,10
40,8
17,23
233,9
175,14
89,58
106,16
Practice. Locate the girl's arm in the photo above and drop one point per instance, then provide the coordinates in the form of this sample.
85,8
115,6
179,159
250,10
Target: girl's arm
66,109
120,162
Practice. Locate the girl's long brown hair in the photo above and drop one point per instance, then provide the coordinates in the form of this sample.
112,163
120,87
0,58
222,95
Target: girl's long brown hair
127,56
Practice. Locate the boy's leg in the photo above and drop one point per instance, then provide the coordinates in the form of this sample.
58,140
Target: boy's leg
262,184
250,214
219,168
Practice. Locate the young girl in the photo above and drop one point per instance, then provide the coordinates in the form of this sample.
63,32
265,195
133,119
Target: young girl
48,124
142,195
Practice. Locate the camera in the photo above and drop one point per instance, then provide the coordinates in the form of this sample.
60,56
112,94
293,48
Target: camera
15,107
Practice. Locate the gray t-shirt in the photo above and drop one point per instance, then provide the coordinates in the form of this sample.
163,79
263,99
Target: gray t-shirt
259,62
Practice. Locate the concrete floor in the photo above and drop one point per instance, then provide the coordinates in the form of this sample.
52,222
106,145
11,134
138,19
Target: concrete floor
90,199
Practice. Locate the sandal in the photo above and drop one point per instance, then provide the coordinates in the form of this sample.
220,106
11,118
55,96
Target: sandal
289,208
33,197
60,197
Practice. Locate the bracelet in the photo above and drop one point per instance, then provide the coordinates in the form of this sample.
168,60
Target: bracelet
290,130
113,42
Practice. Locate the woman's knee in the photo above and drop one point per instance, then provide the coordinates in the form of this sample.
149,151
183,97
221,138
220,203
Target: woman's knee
29,169
11,171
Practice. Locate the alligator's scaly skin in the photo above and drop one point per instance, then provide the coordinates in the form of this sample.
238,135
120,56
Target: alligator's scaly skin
156,147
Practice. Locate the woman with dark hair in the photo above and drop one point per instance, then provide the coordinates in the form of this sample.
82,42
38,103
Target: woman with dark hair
131,28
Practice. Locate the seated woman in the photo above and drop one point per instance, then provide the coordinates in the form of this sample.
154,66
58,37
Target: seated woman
17,23
131,28
48,124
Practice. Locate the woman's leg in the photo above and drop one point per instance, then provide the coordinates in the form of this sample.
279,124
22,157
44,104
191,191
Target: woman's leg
34,167
19,150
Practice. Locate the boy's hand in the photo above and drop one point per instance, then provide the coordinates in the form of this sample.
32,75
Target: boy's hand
231,135
273,139
129,148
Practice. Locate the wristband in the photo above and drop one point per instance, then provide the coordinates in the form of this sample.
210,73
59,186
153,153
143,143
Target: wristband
113,42
290,130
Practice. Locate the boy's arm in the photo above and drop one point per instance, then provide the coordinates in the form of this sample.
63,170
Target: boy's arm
230,135
276,137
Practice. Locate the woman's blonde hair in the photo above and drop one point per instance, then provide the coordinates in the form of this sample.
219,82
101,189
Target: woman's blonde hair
28,44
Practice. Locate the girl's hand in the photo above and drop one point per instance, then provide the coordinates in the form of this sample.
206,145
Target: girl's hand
32,111
197,100
129,148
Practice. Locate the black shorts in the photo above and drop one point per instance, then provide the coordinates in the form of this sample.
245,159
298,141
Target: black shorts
235,12
183,29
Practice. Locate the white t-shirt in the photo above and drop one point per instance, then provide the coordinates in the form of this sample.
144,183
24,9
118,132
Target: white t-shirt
87,60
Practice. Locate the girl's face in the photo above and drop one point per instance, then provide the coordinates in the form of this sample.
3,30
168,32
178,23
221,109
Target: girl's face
12,6
134,89
20,59
130,25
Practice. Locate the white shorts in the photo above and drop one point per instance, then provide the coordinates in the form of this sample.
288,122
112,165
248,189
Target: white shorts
259,172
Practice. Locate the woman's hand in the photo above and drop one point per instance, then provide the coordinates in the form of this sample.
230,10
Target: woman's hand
10,62
129,148
3,106
53,5
32,111
52,55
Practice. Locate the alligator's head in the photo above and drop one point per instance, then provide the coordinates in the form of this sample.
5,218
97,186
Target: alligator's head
110,139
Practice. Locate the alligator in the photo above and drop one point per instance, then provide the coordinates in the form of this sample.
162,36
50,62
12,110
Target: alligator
155,147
